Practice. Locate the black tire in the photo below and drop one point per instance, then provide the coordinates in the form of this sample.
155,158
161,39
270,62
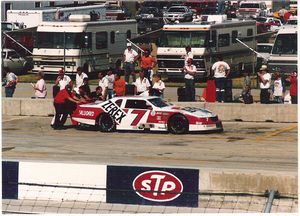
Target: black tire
178,124
106,123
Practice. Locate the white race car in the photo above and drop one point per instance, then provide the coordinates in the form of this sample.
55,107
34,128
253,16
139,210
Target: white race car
144,113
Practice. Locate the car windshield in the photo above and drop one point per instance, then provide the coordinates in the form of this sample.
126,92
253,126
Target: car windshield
183,39
264,48
285,44
249,5
55,40
176,10
261,19
6,26
158,102
292,22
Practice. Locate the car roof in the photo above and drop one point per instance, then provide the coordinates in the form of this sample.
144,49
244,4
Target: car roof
136,97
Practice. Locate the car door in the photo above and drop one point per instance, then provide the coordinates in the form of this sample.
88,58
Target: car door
137,112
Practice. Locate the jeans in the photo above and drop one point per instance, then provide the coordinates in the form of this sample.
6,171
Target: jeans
294,99
264,96
220,89
110,93
278,99
9,91
189,89
62,110
129,70
147,73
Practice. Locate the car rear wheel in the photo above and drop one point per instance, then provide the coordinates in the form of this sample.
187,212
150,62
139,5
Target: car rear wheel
178,124
106,123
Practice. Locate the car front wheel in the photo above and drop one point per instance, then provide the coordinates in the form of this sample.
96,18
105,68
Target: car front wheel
178,124
106,123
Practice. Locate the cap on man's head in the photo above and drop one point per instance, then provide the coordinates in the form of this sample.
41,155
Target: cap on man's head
128,44
263,68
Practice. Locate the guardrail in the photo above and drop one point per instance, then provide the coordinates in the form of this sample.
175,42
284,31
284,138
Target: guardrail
226,111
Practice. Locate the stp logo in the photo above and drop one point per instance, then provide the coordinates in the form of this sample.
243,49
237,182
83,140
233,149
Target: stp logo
157,186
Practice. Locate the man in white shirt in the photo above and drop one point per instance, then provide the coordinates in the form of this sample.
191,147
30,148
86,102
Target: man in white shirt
62,80
40,86
188,55
189,71
264,79
158,86
10,83
110,83
142,85
103,83
79,78
220,70
129,59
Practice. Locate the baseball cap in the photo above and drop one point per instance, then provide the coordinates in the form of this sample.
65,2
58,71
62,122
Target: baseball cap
129,44
263,68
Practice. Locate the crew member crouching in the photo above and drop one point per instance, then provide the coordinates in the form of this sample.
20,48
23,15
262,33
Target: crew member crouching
64,104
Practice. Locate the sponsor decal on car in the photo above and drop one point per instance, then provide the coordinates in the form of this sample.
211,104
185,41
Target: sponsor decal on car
113,110
157,186
86,113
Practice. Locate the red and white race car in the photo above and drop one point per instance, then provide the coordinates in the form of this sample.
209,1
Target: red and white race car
144,113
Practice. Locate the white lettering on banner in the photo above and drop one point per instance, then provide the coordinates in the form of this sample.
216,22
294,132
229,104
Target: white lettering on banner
113,110
86,113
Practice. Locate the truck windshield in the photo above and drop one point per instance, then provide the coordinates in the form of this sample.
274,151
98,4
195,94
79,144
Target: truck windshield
183,39
285,44
55,40
249,5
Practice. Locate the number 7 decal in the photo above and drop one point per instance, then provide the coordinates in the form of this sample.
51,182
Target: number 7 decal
140,114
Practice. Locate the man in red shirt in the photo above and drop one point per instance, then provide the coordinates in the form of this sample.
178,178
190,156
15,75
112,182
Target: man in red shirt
119,86
64,105
293,87
147,64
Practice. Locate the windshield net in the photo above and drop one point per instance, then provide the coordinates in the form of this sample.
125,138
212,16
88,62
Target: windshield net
158,102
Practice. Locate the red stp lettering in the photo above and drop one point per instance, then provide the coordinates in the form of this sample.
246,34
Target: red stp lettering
157,186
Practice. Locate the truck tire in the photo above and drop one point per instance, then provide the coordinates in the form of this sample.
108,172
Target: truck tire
178,124
106,123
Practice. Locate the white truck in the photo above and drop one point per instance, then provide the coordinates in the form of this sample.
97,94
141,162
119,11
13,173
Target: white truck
283,57
32,18
207,39
93,45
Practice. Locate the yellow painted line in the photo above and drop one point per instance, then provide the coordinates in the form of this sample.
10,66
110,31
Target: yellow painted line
275,133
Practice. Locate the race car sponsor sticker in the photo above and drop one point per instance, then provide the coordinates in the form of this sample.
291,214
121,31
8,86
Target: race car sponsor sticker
113,110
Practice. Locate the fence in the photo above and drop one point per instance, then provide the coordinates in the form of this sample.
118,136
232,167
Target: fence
92,200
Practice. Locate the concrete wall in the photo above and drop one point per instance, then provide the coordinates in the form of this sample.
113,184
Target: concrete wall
226,111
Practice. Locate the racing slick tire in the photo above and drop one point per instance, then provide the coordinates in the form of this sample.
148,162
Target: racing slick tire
106,123
178,124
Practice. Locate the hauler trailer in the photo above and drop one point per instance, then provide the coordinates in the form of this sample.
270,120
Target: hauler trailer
96,45
283,57
207,40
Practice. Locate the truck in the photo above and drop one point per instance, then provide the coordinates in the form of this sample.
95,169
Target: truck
32,18
207,39
283,56
93,45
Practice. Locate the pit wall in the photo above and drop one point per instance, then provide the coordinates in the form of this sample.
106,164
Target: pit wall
226,111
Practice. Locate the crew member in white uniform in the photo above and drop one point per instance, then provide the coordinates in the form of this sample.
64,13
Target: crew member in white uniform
142,85
189,71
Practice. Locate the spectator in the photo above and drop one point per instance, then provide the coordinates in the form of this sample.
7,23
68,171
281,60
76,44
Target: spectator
246,93
220,71
79,78
221,6
84,89
129,59
142,85
147,64
119,86
264,79
40,86
103,82
97,95
158,86
62,80
188,54
189,74
64,105
10,82
293,87
110,83
278,88
282,12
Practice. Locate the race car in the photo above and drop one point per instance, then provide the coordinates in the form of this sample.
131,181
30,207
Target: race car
144,113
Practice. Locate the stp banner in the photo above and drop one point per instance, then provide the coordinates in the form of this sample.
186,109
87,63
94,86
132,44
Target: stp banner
152,186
